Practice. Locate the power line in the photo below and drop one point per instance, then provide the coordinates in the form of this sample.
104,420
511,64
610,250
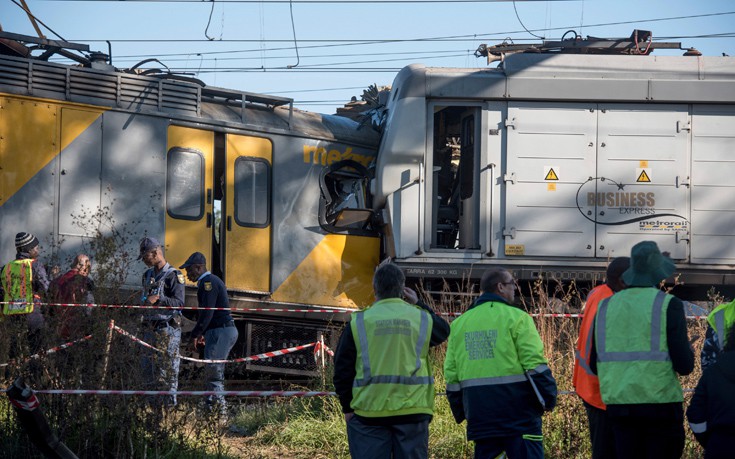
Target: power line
273,93
342,42
233,69
307,1
414,54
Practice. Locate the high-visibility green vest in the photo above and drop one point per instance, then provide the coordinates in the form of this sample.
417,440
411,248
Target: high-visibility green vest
721,319
393,377
17,278
634,365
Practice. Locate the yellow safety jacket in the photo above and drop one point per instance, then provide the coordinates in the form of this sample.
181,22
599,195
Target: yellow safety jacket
17,278
633,360
721,319
393,377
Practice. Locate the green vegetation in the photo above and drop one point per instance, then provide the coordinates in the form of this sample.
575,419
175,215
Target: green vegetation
309,428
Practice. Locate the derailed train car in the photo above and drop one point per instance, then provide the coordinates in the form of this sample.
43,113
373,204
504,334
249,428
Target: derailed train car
264,191
549,165
560,159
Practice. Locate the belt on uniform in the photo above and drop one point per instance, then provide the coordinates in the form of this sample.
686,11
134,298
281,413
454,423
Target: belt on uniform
163,323
230,323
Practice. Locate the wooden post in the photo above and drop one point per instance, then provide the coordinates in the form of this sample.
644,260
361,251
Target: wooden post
107,352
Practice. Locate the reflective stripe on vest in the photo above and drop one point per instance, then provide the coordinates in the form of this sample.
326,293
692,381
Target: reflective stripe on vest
368,378
655,354
720,328
494,381
698,427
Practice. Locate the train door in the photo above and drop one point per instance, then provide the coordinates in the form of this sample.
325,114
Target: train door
246,215
189,193
642,154
550,156
454,210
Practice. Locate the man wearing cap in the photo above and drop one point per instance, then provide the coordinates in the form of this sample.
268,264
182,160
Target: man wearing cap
214,328
640,344
162,286
586,383
24,280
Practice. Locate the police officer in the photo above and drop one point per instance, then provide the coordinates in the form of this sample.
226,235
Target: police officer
215,329
640,343
382,373
496,373
162,286
24,281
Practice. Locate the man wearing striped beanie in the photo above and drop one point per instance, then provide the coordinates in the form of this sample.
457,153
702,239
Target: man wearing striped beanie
18,292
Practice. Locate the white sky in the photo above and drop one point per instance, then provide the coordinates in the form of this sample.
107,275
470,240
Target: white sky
338,54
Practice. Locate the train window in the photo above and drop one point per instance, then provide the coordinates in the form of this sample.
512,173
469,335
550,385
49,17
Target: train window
185,184
252,192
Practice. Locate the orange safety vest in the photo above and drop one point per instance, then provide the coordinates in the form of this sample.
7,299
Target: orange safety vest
585,382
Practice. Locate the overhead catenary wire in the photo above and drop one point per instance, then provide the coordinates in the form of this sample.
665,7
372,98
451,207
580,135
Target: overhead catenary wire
39,21
341,42
521,22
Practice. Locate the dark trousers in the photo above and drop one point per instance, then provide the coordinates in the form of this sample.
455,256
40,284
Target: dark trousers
521,446
602,436
648,438
398,441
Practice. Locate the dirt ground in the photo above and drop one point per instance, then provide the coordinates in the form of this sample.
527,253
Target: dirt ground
242,447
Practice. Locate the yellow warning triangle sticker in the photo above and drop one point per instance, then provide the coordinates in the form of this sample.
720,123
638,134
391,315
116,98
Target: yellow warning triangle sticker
551,175
643,177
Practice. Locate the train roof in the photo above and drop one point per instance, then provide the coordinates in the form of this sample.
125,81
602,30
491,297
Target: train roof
166,95
578,77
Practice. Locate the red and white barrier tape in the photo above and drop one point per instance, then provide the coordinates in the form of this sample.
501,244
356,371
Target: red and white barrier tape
52,350
193,308
231,393
228,393
319,347
252,358
312,311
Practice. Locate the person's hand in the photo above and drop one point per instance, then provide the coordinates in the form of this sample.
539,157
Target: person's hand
198,343
152,299
348,416
410,296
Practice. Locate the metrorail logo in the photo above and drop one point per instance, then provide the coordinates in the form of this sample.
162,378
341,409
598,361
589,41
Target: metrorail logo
326,157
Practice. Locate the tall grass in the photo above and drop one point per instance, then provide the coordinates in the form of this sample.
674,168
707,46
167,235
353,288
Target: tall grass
308,429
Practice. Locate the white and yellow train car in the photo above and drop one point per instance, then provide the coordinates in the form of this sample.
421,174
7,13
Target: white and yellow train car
264,191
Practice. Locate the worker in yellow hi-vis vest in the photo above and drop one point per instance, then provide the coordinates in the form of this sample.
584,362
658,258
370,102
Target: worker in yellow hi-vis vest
382,372
24,282
640,347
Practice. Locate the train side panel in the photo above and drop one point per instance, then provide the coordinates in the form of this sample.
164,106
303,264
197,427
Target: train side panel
558,163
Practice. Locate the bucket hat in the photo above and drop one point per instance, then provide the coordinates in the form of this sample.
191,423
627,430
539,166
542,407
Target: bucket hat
648,266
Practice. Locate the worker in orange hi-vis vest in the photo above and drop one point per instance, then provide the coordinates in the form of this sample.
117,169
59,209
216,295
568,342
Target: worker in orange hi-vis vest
585,382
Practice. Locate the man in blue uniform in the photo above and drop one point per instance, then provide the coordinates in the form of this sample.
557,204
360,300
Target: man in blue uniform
162,286
214,328
497,375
